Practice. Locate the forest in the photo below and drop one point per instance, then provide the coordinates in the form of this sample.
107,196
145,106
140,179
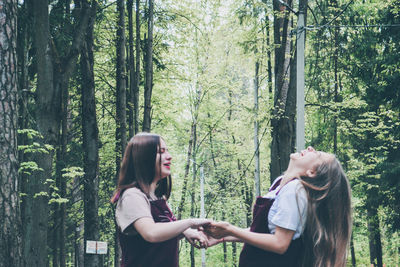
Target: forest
216,79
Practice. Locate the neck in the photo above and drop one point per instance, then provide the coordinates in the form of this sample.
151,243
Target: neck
152,189
289,175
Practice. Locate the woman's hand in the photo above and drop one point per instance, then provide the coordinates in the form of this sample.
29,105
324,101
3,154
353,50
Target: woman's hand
218,230
211,241
196,238
199,223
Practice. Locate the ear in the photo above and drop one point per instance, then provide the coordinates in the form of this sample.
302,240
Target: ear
311,173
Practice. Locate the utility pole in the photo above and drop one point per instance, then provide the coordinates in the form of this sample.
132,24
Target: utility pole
300,117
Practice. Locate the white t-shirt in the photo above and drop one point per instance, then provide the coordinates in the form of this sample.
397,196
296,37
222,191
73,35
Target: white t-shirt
289,209
132,206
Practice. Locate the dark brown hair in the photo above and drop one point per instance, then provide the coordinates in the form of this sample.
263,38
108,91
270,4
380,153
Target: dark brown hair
138,167
328,228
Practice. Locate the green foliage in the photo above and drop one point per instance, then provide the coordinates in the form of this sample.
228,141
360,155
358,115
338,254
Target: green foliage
28,167
73,172
204,55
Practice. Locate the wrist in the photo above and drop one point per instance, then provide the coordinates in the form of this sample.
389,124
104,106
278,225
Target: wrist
191,223
231,229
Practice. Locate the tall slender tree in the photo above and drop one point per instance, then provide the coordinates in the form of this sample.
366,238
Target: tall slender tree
282,122
10,233
90,134
149,70
120,133
132,75
137,68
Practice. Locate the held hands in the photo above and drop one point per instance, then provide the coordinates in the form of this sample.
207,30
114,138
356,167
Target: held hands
196,238
201,238
199,223
208,234
218,230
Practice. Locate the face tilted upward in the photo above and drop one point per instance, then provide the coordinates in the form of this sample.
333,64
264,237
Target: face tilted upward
307,160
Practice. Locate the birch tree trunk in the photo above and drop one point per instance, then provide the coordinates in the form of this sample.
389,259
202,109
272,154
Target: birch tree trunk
10,233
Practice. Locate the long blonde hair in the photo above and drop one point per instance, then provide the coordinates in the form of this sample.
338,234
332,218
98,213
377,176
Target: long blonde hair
328,228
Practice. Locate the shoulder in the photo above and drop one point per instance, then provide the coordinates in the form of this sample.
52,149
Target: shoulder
295,189
133,191
132,206
294,186
134,194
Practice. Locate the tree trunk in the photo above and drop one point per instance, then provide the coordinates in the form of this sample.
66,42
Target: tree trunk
121,89
185,176
131,69
234,252
256,143
10,234
24,45
137,68
269,57
58,238
353,254
48,123
193,193
374,236
52,78
120,103
149,71
90,138
283,130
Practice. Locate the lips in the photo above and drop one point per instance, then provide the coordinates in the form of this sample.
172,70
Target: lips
167,165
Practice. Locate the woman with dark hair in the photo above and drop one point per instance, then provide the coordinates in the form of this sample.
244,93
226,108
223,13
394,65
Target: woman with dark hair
304,220
148,231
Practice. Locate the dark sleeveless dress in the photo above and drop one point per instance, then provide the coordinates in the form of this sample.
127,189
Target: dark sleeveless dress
137,252
254,257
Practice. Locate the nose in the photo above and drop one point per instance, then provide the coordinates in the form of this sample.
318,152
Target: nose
168,156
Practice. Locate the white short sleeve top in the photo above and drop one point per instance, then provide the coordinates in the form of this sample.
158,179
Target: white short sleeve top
289,209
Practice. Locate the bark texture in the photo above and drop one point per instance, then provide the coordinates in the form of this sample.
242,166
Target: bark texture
10,233
282,122
90,136
149,71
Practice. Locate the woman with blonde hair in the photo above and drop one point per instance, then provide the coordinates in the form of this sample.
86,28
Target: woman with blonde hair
304,220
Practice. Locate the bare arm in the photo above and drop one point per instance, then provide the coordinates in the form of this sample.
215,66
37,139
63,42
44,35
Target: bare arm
278,242
158,232
234,238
